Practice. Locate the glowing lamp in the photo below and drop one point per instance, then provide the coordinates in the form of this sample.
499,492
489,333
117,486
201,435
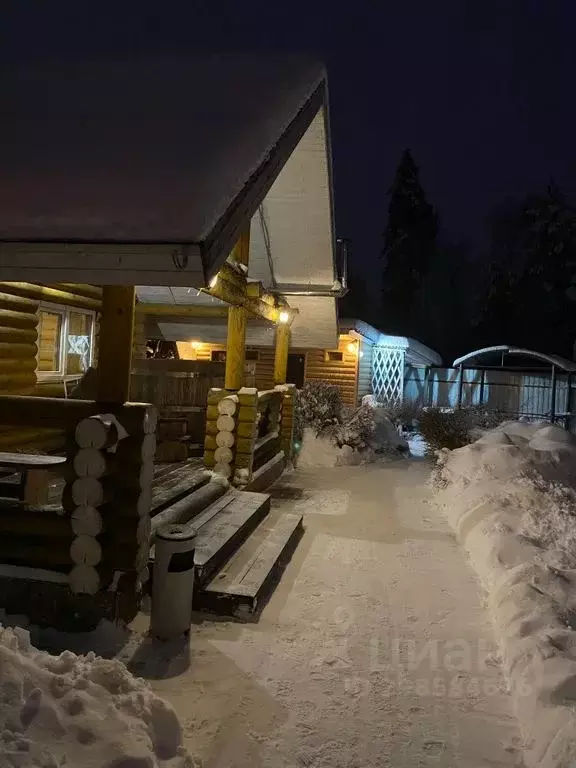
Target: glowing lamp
213,282
195,344
352,347
284,317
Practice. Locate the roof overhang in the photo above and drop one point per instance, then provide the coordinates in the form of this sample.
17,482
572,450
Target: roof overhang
314,326
145,172
416,352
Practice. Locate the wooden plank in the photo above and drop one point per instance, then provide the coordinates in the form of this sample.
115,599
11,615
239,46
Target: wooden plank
219,536
246,573
24,461
176,484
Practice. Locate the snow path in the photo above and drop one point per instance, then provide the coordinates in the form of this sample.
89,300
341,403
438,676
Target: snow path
375,649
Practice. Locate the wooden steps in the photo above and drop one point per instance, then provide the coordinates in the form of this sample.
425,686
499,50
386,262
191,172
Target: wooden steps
223,526
242,585
241,549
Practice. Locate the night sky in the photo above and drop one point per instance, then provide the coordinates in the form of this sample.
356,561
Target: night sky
482,92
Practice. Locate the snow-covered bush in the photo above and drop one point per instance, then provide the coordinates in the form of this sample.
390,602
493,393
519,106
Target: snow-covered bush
355,428
318,406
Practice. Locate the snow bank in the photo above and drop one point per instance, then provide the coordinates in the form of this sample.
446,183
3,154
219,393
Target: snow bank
80,711
511,498
321,451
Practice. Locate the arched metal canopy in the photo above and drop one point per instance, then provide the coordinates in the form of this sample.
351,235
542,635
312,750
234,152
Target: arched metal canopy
554,360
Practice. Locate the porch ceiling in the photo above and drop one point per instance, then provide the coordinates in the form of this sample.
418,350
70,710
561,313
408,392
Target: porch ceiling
313,327
144,171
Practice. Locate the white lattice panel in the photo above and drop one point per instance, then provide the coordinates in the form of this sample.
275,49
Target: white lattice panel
388,375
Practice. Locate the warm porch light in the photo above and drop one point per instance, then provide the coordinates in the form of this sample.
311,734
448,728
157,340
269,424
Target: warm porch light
195,344
352,347
284,317
213,282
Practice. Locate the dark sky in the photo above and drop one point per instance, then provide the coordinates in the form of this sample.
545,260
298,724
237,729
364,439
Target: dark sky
483,92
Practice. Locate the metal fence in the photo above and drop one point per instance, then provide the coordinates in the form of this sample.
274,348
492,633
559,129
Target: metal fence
532,393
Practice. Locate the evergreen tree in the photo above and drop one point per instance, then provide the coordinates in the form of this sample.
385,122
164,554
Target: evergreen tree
409,247
532,286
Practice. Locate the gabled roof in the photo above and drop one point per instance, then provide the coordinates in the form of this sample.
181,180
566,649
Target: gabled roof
150,151
416,352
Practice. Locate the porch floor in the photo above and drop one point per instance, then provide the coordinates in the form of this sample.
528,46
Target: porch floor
171,482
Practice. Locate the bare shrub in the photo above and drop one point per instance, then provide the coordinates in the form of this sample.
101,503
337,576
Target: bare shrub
454,429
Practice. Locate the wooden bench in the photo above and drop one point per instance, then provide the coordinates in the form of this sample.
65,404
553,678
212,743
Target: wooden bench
34,471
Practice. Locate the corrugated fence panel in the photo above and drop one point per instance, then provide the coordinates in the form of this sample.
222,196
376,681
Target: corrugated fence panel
415,385
518,393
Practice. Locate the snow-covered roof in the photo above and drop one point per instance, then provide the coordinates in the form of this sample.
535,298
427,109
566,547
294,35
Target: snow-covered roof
165,150
416,352
560,362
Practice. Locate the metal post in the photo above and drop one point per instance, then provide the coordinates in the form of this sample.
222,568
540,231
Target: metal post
482,382
553,397
568,421
426,397
460,386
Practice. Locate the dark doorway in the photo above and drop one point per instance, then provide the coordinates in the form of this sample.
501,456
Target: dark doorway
295,370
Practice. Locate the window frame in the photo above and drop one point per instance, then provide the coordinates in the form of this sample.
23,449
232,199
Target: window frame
328,356
64,311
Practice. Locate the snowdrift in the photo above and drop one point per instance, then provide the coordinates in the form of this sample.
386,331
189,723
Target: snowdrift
511,498
80,711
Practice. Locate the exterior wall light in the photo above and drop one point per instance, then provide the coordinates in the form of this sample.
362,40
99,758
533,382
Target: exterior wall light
284,317
195,344
352,348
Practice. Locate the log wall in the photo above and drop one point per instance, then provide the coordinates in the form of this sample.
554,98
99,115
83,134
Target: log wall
342,374
98,545
19,331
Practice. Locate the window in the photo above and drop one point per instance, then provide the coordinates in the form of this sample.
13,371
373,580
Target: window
333,356
252,354
218,356
65,341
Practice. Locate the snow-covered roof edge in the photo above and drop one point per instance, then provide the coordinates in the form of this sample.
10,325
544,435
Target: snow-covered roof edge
416,352
561,362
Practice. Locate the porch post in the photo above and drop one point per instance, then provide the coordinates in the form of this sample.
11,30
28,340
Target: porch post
235,348
237,319
115,347
281,353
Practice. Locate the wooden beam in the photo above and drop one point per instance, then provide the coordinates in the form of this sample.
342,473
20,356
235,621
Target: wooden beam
54,295
235,348
181,310
241,251
281,353
115,343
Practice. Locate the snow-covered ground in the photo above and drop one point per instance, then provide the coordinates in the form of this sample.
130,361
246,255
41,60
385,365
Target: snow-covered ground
83,711
374,650
511,498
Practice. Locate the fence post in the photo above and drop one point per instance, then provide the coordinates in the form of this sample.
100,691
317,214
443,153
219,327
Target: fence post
482,382
568,420
553,397
460,386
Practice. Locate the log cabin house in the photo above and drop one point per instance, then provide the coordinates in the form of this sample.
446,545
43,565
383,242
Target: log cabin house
202,190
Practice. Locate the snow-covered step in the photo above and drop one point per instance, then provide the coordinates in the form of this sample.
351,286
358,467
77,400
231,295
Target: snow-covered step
223,526
241,587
